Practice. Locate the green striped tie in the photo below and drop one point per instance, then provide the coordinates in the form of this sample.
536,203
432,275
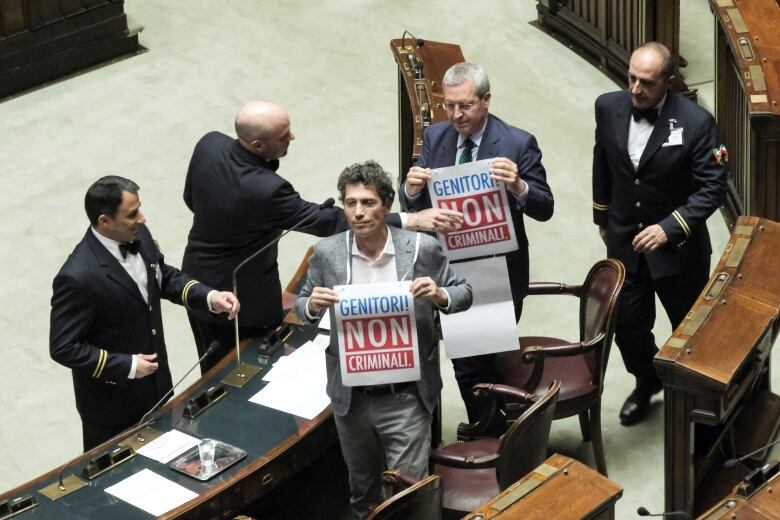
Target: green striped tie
465,155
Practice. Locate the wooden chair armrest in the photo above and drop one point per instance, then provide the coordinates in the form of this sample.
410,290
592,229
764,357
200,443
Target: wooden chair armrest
453,460
491,422
510,392
532,353
539,288
399,481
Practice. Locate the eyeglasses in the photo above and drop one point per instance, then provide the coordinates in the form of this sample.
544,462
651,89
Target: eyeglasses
463,107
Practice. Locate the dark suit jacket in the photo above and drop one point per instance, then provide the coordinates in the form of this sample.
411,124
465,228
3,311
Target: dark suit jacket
240,204
440,143
677,187
99,320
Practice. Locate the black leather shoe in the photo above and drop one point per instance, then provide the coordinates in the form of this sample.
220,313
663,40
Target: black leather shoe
636,406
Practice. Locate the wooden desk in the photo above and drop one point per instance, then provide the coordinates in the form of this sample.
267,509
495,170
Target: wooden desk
278,445
747,103
715,369
762,504
561,488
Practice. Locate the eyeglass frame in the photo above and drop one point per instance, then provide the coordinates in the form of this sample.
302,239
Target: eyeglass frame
464,107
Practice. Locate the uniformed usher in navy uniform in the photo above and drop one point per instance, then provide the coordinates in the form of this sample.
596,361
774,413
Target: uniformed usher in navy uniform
99,320
677,186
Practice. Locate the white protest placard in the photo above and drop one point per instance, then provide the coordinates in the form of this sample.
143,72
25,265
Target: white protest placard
377,334
489,325
487,227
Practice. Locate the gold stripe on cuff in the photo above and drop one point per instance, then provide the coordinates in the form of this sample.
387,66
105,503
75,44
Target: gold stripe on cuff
186,291
600,207
101,364
683,224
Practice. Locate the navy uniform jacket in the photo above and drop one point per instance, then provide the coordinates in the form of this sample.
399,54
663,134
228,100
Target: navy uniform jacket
677,187
99,320
239,205
440,145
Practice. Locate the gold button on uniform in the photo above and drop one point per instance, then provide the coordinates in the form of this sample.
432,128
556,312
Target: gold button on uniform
637,182
641,226
638,204
154,332
150,308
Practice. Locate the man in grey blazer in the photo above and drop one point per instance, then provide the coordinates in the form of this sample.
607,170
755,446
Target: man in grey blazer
381,426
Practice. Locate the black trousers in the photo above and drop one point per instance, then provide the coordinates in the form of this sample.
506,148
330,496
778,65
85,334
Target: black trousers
93,435
223,333
636,313
470,371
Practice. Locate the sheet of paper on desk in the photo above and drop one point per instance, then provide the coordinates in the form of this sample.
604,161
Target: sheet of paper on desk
150,492
297,384
303,400
167,446
279,370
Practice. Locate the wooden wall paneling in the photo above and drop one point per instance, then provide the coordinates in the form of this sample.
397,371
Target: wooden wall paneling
767,165
95,3
11,17
70,7
42,12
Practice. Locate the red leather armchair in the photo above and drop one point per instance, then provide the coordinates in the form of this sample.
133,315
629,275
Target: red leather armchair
578,365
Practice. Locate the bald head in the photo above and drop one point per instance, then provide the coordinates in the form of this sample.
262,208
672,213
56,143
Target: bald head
650,74
263,128
658,54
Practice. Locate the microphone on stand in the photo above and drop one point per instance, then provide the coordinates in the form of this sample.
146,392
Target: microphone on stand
213,346
143,423
642,511
238,374
730,463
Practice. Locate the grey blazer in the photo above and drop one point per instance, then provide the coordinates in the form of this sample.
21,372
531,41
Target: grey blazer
328,266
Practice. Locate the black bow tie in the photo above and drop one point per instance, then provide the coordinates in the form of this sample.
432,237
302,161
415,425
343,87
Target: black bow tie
130,247
651,114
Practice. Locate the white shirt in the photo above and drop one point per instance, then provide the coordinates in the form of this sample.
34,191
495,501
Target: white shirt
136,268
382,269
639,134
365,270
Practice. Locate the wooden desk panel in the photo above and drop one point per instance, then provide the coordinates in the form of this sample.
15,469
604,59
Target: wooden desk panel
715,369
420,94
764,504
278,445
747,103
561,488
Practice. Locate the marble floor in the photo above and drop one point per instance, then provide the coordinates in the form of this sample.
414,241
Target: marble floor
330,65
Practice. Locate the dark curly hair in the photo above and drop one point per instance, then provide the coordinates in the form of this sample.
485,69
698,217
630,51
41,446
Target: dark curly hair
371,175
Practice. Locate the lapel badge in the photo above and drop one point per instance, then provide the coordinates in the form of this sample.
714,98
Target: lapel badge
721,155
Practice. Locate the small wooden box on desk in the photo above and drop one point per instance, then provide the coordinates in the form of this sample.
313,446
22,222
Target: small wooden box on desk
561,488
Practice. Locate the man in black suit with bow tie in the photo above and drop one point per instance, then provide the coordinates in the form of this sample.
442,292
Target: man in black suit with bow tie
656,179
106,323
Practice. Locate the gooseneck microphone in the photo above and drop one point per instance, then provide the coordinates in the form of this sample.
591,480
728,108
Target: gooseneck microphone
213,346
419,41
325,205
730,463
143,423
642,511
